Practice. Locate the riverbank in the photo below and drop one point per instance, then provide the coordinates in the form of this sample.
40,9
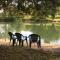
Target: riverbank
23,53
45,46
46,52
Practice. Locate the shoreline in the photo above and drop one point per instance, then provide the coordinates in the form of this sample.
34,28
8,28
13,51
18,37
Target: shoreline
45,46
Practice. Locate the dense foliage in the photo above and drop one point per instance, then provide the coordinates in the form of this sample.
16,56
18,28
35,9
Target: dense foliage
37,9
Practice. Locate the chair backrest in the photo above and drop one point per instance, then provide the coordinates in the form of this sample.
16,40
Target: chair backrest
10,34
18,35
33,37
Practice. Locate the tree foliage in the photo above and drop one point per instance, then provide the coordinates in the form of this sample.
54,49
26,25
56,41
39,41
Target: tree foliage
36,8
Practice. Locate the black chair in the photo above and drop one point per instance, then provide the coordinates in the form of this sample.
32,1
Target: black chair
12,37
34,38
19,38
10,34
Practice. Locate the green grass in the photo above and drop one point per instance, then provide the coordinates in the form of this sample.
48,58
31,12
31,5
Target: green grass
24,53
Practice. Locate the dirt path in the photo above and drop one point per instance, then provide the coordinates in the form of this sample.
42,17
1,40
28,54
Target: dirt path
45,46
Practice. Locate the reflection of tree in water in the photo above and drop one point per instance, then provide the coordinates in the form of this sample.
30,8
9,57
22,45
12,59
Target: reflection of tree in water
51,33
16,26
42,30
35,29
47,32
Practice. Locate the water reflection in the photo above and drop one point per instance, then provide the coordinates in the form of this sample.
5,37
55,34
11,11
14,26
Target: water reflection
26,33
57,42
49,32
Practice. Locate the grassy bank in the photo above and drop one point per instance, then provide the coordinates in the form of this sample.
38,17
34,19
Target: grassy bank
23,53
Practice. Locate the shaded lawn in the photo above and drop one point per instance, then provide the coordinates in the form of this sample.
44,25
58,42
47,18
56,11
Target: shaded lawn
24,53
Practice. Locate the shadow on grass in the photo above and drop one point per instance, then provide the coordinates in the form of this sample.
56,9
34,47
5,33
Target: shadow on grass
25,53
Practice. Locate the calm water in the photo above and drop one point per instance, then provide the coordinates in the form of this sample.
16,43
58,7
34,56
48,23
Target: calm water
50,32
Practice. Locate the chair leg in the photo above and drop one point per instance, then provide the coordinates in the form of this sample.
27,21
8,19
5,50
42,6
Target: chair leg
22,43
30,44
13,42
39,44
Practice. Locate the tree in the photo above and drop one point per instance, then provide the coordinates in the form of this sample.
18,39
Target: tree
39,9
